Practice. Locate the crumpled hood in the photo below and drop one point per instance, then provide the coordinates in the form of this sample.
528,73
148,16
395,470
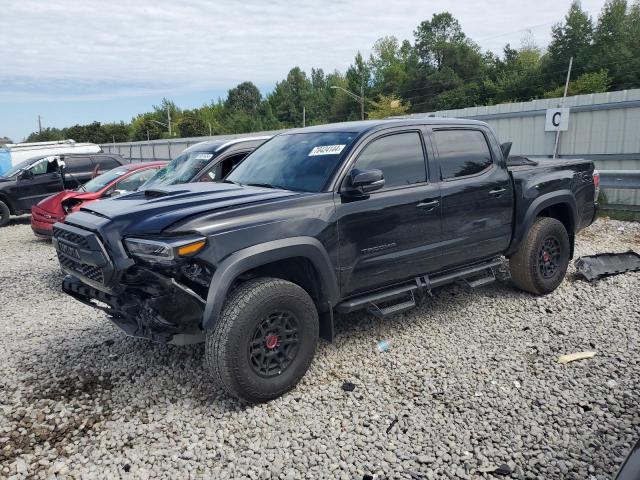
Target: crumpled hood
154,210
53,202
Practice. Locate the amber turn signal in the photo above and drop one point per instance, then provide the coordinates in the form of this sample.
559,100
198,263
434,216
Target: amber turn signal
191,248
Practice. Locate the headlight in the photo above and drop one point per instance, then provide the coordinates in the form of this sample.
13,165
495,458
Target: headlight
164,250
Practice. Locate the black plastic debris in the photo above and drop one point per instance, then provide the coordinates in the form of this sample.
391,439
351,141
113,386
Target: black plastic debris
366,476
593,267
348,386
393,424
503,470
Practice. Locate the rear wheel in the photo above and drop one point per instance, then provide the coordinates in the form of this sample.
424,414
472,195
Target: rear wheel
264,340
540,264
5,214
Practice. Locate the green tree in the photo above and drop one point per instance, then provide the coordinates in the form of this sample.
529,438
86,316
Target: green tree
290,97
245,98
191,125
116,132
144,127
594,82
571,38
388,106
611,46
46,135
388,65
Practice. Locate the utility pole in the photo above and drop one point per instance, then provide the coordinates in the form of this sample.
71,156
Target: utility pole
362,99
210,134
564,97
169,119
304,116
148,135
39,124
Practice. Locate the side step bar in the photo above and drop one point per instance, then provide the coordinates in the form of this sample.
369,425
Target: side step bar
405,294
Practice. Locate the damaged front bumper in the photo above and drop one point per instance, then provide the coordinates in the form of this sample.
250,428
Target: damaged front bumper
155,307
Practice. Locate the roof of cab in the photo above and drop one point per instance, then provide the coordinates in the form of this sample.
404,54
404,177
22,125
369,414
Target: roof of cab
369,125
217,145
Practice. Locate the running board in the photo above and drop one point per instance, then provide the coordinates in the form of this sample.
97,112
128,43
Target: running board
404,295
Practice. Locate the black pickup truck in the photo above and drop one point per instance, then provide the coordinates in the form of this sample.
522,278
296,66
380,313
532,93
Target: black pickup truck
317,221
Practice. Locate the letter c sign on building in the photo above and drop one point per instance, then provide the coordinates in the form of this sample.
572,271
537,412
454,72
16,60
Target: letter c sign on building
557,120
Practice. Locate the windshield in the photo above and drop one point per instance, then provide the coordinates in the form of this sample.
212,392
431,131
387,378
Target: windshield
101,181
181,169
17,168
300,161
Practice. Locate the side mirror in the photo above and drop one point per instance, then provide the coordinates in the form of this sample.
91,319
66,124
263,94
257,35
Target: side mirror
506,149
362,182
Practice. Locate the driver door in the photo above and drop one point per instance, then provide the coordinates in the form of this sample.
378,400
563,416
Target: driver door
392,234
42,181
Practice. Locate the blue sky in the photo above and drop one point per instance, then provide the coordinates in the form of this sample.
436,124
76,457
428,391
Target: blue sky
76,62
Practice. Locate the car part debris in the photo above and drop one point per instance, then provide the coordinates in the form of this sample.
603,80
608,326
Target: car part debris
348,386
592,267
503,470
572,357
384,345
393,424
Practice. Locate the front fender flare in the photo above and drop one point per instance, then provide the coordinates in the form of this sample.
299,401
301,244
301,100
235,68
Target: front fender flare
257,255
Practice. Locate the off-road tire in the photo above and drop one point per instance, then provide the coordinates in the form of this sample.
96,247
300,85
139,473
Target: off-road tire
525,264
228,344
5,214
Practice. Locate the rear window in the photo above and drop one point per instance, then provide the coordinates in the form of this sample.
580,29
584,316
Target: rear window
461,152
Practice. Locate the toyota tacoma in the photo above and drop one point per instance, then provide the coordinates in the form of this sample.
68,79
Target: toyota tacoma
321,221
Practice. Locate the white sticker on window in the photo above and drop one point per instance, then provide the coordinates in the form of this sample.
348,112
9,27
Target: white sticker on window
326,150
204,156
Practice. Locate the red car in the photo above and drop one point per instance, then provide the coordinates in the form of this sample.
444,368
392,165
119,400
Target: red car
55,208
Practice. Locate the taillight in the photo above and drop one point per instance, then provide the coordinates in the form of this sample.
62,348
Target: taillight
596,184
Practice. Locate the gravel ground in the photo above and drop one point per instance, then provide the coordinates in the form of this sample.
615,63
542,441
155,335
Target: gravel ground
471,382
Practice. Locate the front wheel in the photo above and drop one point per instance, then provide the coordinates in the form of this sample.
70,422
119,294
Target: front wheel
5,214
264,340
541,262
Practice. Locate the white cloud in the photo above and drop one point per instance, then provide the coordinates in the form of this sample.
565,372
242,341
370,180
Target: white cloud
96,49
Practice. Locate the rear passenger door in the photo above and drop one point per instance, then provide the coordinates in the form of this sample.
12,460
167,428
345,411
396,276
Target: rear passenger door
391,235
477,198
103,163
77,170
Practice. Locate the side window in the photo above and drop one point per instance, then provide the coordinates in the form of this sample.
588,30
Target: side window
221,169
43,166
461,152
105,163
76,165
133,181
400,157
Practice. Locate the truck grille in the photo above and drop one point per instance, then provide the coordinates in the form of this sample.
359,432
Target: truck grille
89,271
71,237
81,254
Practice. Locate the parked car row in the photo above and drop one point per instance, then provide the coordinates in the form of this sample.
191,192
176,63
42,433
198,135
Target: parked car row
52,186
257,255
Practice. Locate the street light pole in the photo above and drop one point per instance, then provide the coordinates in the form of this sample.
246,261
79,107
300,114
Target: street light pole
359,98
169,119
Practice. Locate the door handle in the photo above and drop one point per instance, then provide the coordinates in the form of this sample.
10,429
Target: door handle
497,192
428,204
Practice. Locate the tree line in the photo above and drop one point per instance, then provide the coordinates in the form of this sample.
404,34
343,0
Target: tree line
441,68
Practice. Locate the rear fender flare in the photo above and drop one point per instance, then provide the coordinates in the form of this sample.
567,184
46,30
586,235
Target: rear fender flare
264,253
547,200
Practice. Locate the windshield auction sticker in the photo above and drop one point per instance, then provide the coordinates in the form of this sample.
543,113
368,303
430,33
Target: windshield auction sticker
326,150
204,156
